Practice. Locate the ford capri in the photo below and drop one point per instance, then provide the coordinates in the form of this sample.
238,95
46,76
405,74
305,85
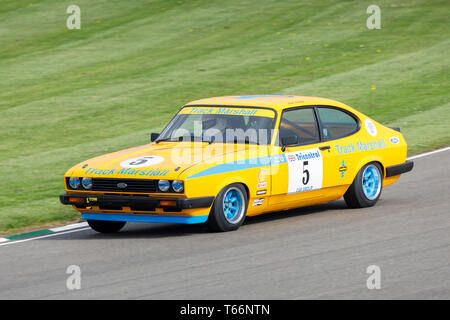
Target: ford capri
222,159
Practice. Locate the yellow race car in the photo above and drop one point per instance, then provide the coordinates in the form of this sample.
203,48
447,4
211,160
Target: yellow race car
222,159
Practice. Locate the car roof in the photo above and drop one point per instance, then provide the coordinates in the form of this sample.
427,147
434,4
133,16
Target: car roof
275,101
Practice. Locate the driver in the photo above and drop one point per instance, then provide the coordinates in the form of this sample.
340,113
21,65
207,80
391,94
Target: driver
214,126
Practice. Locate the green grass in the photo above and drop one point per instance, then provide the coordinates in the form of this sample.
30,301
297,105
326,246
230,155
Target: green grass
68,95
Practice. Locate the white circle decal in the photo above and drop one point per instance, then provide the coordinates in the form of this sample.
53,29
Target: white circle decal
370,127
141,162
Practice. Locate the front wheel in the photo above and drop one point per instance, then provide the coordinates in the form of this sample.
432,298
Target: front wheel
366,188
106,226
229,209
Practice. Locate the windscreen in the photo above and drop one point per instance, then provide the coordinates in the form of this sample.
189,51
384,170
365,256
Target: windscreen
221,124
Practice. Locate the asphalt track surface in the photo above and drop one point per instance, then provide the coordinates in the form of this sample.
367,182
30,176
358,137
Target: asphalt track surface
319,252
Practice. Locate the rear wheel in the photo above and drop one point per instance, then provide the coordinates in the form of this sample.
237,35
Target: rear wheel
366,188
230,208
106,226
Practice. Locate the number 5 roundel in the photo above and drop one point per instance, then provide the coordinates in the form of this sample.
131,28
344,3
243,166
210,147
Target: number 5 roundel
142,162
305,170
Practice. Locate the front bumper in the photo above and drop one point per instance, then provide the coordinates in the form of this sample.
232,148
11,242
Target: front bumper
135,203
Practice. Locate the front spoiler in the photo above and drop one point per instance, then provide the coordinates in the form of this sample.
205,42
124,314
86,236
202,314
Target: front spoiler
143,218
144,203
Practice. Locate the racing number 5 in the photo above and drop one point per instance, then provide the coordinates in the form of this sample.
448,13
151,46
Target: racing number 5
305,177
138,162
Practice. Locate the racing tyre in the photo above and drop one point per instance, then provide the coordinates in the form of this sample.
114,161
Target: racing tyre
366,188
229,209
106,226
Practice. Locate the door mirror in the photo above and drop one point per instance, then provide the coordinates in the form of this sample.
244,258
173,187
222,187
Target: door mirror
288,141
154,136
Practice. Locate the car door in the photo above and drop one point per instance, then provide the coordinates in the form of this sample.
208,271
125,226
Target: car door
315,166
297,170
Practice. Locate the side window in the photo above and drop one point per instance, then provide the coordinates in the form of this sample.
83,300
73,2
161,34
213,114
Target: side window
336,123
301,123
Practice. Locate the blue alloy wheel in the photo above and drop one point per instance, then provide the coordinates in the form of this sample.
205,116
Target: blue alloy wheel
233,205
371,182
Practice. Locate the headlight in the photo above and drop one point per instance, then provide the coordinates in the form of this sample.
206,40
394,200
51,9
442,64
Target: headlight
87,183
74,182
178,186
163,185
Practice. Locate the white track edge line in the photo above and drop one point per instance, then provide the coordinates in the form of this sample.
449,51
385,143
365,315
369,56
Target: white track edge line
46,236
69,227
428,153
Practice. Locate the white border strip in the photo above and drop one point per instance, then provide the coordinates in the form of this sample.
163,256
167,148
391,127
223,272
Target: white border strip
3,240
69,227
42,237
428,153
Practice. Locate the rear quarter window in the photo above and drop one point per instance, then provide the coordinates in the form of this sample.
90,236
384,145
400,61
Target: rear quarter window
336,123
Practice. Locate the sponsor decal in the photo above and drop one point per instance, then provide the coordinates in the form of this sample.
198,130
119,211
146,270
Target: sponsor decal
305,170
258,202
370,127
128,171
139,162
262,175
360,146
261,192
89,200
261,185
342,169
262,178
394,140
225,111
277,159
304,155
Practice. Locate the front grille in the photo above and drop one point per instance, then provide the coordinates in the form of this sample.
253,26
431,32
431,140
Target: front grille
133,185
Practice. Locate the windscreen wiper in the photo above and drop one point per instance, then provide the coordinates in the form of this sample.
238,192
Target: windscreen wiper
181,138
168,140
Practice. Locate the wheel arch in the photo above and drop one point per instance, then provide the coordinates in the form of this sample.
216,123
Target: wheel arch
370,159
230,180
355,196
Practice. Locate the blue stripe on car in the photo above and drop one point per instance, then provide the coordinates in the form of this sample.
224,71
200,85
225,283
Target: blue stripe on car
241,165
259,96
143,218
